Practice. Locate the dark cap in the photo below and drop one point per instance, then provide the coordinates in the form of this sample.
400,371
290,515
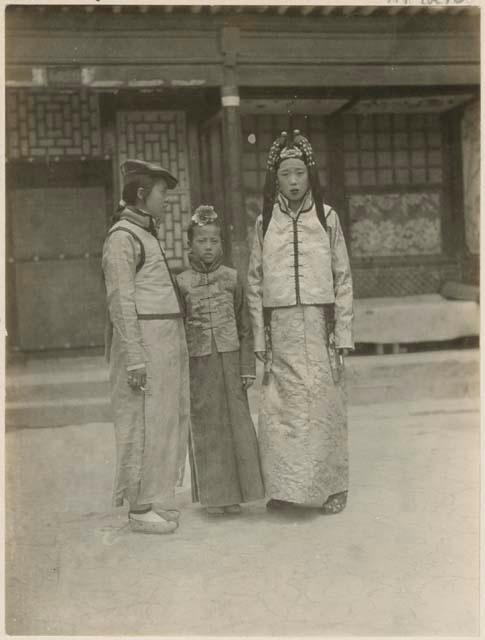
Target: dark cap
130,169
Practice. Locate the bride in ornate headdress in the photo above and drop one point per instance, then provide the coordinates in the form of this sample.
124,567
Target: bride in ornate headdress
300,300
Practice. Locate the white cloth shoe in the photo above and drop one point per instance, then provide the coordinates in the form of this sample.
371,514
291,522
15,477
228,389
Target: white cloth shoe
151,522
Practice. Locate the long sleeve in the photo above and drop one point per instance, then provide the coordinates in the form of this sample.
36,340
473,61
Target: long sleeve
120,257
342,282
245,333
255,287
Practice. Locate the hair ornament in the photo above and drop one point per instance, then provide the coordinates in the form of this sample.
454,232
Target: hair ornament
204,214
290,146
287,146
290,152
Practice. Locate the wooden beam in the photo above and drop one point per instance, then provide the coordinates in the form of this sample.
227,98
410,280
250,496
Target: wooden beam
306,10
455,10
347,11
369,10
117,9
326,11
215,8
196,8
89,8
283,9
144,8
168,8
433,11
262,8
362,75
392,11
413,10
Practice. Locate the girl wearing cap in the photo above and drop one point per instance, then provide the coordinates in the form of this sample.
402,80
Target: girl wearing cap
148,353
300,300
224,450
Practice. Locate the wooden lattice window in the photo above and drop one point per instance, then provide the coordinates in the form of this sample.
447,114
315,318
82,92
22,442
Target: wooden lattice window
393,174
383,150
48,125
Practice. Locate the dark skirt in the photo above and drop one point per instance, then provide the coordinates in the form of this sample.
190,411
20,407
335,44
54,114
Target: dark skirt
223,445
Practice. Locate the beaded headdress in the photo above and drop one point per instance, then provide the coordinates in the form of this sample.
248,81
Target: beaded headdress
285,147
290,146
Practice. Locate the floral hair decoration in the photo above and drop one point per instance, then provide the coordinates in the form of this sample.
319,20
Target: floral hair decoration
205,214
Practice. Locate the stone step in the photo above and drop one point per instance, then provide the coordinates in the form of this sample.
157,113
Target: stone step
407,377
56,413
76,392
57,390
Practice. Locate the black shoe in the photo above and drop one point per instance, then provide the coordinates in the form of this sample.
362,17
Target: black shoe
278,504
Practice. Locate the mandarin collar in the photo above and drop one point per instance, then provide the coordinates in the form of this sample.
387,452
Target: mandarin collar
201,267
305,205
138,216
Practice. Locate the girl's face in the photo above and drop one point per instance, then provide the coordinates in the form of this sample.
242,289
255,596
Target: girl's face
206,243
153,202
293,179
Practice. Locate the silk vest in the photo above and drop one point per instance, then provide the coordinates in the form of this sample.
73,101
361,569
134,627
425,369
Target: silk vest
209,302
155,293
297,260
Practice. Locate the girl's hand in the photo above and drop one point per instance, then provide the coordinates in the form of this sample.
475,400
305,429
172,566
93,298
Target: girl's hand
342,353
247,382
137,379
260,355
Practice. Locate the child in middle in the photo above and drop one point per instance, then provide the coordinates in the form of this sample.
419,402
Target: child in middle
223,445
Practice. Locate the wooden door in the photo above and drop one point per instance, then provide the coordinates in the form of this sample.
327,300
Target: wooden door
56,224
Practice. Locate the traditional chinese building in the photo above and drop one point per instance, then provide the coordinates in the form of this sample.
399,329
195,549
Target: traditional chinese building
388,97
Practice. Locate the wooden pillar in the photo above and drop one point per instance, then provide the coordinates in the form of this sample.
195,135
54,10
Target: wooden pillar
232,146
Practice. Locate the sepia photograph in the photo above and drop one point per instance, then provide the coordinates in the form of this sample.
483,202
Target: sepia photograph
242,319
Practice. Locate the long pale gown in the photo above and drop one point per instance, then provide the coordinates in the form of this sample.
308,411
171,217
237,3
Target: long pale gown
302,432
151,428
